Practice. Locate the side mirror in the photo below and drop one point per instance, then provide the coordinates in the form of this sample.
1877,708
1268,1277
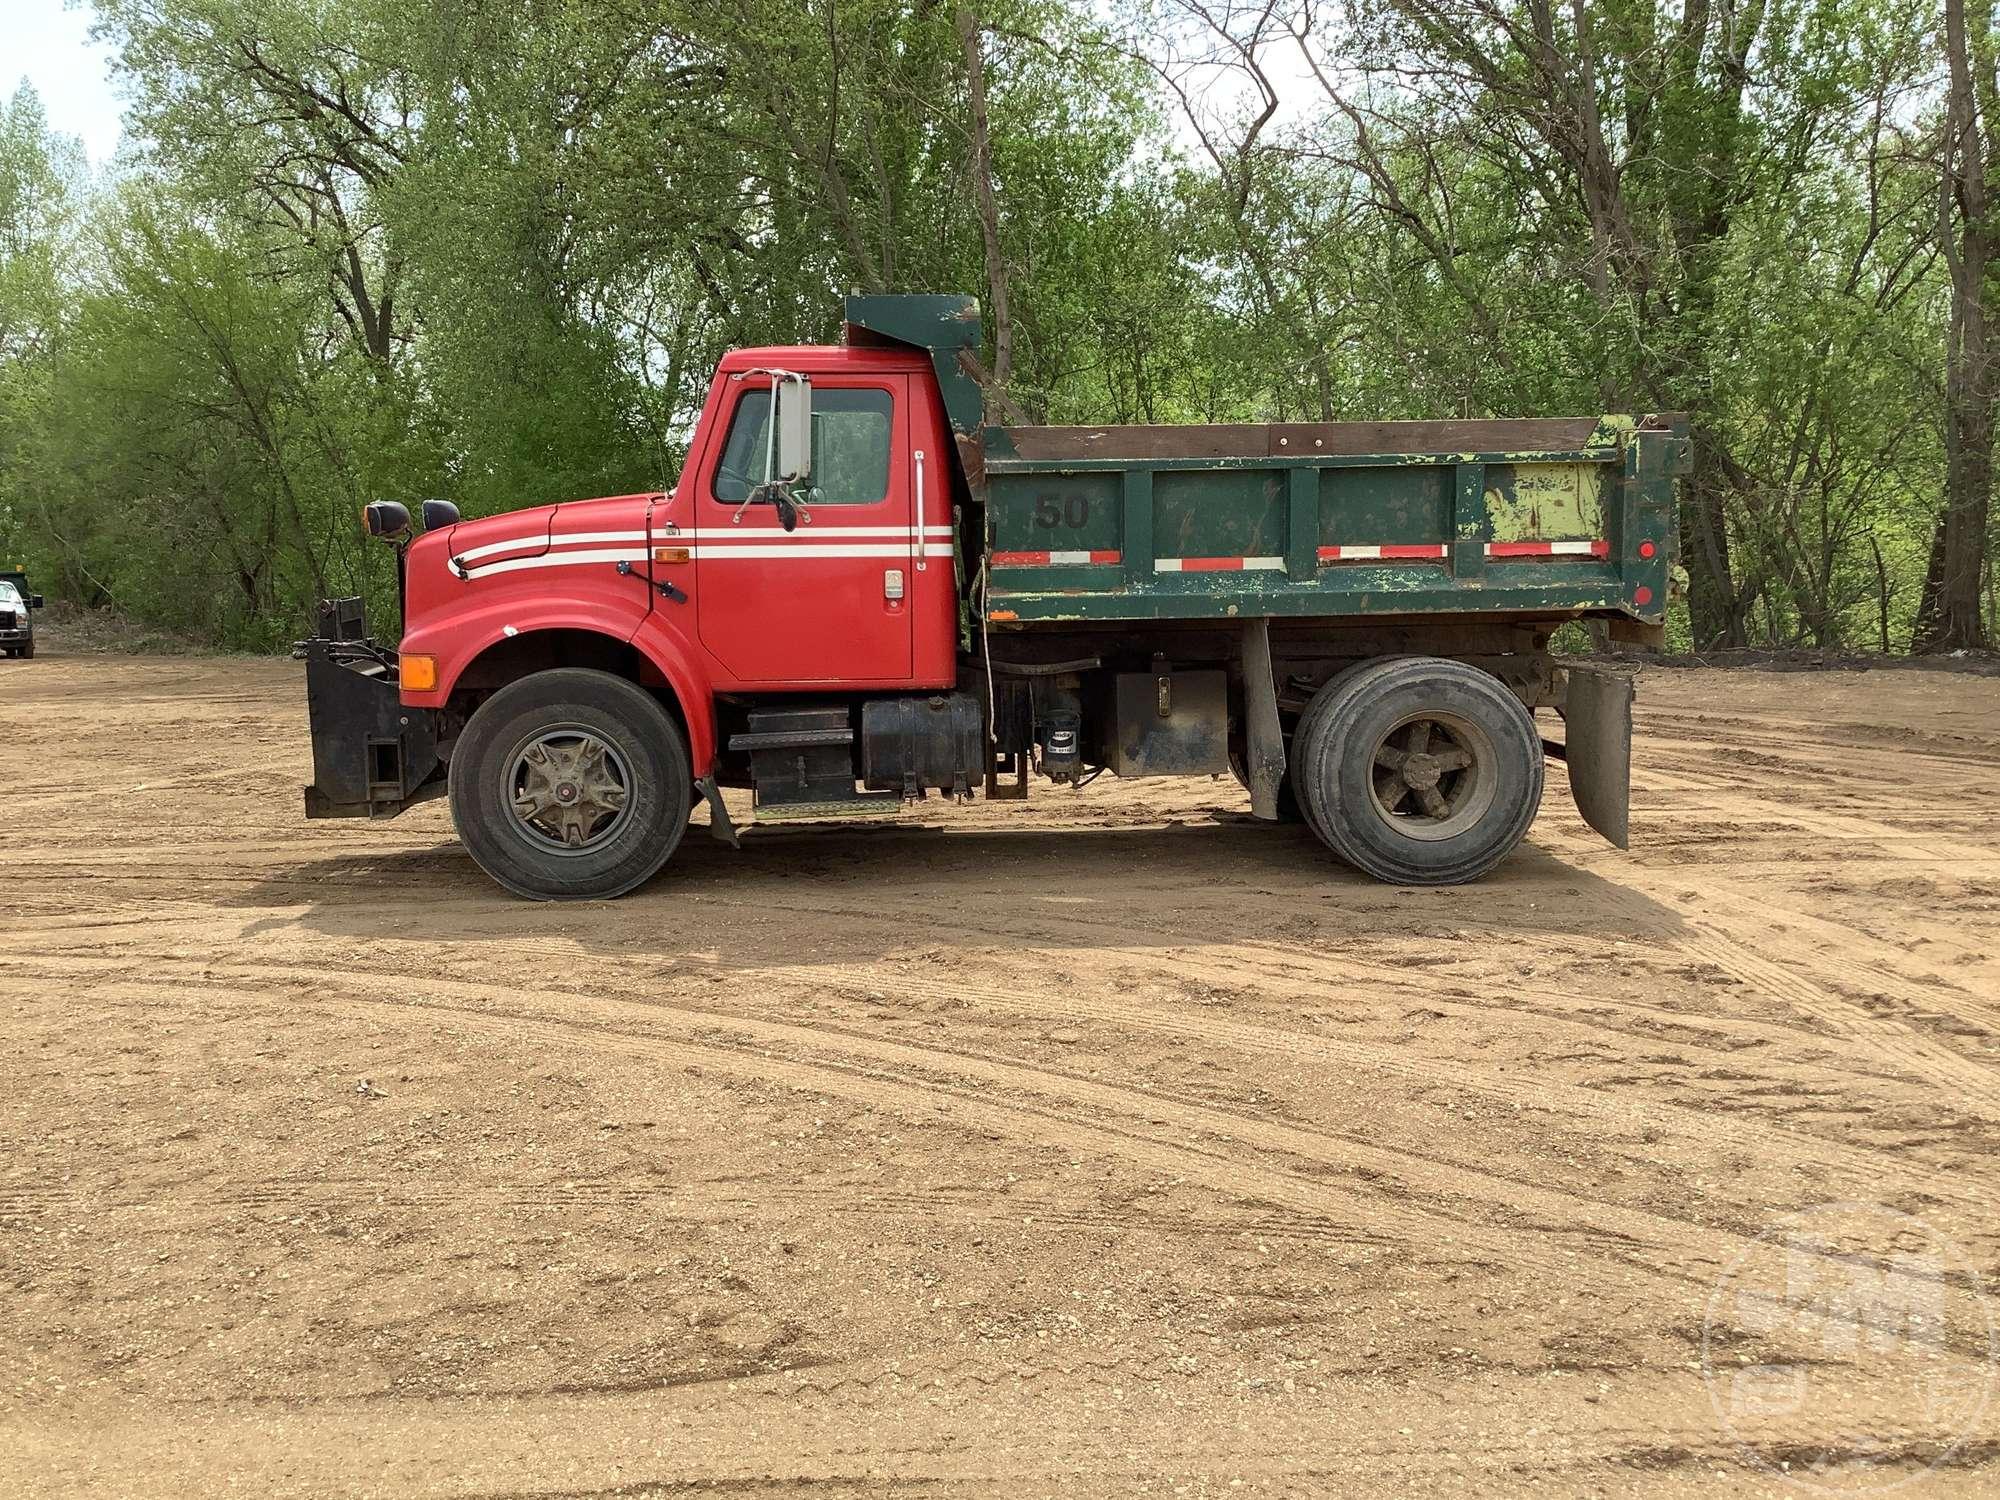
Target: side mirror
35,601
794,456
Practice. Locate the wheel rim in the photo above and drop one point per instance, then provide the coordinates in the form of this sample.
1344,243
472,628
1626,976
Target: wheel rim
569,790
1433,775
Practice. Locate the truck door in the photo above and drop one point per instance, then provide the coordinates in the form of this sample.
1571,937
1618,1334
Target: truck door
825,603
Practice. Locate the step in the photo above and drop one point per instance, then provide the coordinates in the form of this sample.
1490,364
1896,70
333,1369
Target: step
821,812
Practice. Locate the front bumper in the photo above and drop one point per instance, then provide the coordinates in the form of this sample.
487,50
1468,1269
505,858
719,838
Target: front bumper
372,756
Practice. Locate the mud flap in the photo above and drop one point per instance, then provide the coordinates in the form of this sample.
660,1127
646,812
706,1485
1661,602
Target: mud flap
1264,761
1597,712
719,827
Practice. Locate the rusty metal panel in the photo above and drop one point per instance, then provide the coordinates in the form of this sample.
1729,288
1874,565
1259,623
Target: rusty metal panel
1472,518
1169,724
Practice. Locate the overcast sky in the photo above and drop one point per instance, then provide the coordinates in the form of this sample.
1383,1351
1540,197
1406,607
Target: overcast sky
48,43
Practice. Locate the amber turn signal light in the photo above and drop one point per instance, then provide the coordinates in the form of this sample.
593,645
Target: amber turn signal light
418,674
671,554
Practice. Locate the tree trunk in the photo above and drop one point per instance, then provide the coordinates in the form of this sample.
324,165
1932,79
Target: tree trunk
989,211
1716,616
1949,617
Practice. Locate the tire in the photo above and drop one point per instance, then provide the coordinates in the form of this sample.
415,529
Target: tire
1475,787
531,742
1306,737
28,651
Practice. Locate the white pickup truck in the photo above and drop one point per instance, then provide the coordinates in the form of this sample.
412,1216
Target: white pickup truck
17,623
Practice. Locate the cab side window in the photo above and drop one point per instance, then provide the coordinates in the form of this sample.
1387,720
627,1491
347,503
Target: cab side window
850,448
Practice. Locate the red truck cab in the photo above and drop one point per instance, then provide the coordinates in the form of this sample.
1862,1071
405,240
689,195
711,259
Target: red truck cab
705,585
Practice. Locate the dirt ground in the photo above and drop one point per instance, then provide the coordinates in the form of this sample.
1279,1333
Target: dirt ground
1111,1144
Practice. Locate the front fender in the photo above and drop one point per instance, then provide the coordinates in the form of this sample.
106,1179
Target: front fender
667,649
466,635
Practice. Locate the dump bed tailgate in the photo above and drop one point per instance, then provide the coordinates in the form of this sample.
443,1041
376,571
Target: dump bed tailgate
1558,516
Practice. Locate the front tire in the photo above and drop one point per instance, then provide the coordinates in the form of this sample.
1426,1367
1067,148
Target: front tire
1420,771
571,784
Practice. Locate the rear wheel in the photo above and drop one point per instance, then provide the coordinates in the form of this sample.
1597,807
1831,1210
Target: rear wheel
1420,771
570,784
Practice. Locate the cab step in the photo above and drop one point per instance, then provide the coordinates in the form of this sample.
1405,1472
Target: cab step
874,805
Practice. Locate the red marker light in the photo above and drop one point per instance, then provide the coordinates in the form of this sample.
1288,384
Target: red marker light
1642,595
1647,549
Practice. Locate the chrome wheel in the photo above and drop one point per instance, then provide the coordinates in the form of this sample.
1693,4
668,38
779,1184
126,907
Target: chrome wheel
1432,775
569,790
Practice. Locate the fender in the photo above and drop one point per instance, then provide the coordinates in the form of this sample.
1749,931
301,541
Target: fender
461,637
667,649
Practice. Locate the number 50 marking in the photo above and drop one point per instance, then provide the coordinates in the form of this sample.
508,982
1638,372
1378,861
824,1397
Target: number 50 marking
1073,512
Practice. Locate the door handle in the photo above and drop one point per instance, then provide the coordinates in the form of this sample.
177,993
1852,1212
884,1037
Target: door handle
892,583
920,510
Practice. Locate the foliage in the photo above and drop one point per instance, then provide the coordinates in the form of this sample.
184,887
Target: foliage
403,248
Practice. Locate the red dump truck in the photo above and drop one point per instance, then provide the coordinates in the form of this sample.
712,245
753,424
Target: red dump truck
858,593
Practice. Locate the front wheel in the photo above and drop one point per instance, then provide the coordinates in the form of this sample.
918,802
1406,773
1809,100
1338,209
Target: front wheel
1420,771
571,784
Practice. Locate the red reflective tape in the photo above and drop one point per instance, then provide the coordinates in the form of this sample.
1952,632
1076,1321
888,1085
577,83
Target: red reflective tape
1548,549
1053,559
1211,565
1384,552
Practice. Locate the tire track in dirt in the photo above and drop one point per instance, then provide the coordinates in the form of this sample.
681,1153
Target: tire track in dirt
794,1432
1225,1151
1588,1106
1723,941
1021,994
1268,963
698,1203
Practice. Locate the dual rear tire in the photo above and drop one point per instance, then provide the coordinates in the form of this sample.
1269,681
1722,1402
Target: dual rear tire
1417,770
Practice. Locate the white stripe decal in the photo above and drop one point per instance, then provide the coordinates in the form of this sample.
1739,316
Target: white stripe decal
558,560
734,534
808,533
711,551
541,539
799,552
538,540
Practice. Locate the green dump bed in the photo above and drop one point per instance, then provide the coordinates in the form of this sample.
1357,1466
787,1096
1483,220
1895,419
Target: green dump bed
1558,517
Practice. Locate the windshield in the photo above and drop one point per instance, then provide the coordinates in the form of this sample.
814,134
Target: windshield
8,593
